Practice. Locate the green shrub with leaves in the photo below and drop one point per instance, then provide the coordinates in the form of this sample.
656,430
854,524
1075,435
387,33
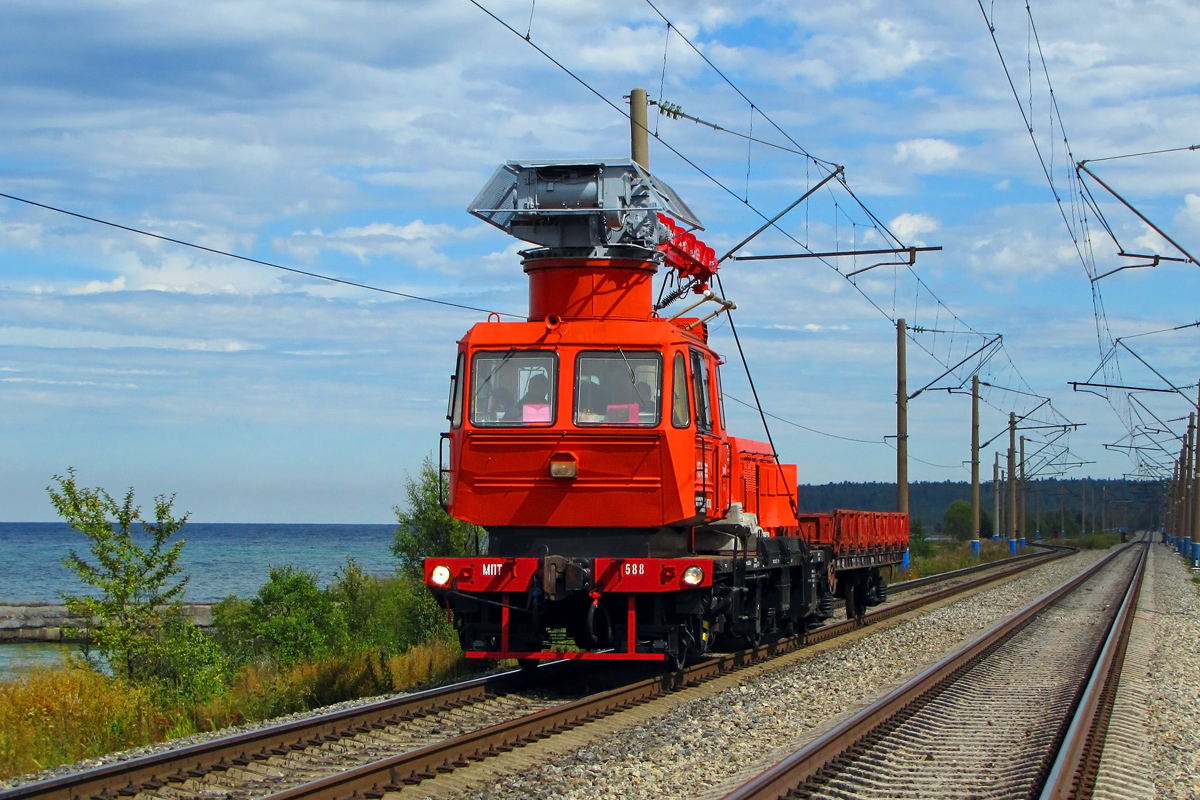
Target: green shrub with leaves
426,529
386,614
956,522
290,619
919,545
136,591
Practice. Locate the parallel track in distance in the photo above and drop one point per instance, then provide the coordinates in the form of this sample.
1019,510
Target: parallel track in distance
944,716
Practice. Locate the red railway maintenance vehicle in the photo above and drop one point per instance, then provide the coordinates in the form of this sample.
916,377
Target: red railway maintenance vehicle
590,442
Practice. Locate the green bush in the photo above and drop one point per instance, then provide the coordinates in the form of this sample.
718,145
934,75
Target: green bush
290,619
132,572
386,614
956,522
1101,541
426,529
193,666
919,545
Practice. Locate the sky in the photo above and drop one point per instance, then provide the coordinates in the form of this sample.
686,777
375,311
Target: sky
348,138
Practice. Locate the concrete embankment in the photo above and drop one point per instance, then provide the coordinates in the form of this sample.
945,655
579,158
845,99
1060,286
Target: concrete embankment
52,623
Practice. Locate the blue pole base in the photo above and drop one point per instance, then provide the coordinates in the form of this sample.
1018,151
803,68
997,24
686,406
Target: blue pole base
1037,534
1195,553
904,563
1022,542
975,547
1012,547
995,537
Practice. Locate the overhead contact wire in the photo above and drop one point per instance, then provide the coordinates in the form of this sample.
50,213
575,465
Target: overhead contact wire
715,181
226,254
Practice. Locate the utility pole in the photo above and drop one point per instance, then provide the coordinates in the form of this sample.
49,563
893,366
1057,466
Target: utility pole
1037,505
901,418
1024,516
1181,516
1062,510
1172,501
975,464
1195,531
1105,518
1082,507
996,497
1012,484
639,133
1185,535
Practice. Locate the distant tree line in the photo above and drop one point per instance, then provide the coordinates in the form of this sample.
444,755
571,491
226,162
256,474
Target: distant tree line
1132,504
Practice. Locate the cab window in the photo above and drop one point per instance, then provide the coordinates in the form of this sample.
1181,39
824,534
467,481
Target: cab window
618,387
681,414
719,398
455,412
513,389
700,391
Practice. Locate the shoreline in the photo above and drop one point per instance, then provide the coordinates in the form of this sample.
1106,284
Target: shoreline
48,622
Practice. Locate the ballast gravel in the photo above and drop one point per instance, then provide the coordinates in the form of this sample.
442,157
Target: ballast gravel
1173,707
705,747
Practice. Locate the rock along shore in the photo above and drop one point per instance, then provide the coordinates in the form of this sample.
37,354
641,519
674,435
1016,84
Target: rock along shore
51,623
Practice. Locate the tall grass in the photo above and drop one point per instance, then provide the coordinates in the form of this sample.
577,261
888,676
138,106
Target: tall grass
949,556
58,715
1102,541
263,691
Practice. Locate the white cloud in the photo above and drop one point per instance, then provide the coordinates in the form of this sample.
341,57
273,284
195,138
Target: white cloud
417,242
21,234
49,382
928,153
909,227
117,284
99,339
1189,215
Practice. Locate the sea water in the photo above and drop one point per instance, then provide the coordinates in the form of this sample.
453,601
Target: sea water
221,560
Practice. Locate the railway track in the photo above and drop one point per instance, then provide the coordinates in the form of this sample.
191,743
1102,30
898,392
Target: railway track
380,747
1022,711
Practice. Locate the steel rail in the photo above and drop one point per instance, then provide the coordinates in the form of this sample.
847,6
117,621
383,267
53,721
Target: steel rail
797,768
1074,771
151,772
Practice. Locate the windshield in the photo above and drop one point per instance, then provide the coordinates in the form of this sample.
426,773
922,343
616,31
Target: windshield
515,388
620,387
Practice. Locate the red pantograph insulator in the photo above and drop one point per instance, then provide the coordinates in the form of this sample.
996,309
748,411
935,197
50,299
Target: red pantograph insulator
687,255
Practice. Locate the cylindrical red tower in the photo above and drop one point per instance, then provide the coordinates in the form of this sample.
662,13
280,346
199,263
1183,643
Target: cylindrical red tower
590,288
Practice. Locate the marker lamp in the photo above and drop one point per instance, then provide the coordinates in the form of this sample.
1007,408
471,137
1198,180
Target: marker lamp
440,575
693,575
563,467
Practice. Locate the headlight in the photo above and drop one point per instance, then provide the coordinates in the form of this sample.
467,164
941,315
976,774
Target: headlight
440,575
693,575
